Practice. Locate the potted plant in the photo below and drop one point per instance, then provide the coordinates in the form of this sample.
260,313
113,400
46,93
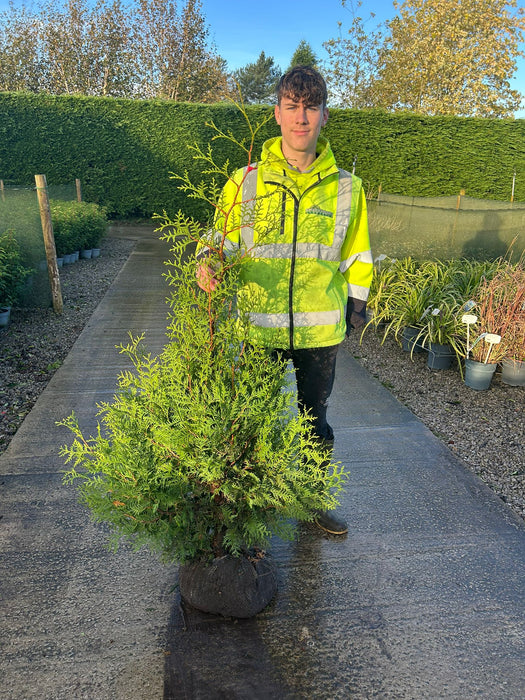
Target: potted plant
201,455
508,289
491,327
398,301
77,226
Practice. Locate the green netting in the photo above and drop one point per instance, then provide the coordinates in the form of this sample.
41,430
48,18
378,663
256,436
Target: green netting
446,227
20,213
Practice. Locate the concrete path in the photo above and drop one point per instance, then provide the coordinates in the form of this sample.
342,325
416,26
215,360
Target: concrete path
425,597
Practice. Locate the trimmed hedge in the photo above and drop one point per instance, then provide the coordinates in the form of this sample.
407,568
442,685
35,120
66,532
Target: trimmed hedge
123,151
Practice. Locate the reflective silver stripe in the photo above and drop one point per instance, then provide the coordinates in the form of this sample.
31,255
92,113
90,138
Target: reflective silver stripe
229,246
303,319
302,250
364,257
249,193
358,292
344,208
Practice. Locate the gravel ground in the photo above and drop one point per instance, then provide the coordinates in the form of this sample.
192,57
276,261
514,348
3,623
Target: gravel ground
36,341
484,428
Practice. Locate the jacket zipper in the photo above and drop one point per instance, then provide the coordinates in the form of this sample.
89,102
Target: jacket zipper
296,202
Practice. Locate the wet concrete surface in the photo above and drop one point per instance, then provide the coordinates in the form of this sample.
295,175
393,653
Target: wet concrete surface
424,598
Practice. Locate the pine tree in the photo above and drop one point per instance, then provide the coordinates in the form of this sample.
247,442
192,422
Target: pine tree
304,56
257,81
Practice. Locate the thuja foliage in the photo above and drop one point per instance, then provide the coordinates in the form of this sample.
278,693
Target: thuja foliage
201,452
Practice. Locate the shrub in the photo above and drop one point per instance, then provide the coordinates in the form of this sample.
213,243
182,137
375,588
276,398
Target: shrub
12,271
77,225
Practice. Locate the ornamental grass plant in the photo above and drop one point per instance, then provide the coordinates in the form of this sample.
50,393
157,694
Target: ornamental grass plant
429,296
500,310
201,453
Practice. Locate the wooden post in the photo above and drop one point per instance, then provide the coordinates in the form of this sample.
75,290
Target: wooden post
79,190
49,242
461,194
2,190
513,186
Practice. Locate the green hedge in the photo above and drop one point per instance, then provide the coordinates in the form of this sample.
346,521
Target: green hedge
124,150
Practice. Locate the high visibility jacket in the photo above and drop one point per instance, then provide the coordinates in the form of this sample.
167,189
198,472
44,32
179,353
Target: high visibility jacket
306,238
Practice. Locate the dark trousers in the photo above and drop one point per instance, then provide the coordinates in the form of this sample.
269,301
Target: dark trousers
315,373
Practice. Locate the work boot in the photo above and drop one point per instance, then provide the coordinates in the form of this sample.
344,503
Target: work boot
330,522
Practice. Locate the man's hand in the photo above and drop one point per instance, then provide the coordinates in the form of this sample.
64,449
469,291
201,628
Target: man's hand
206,278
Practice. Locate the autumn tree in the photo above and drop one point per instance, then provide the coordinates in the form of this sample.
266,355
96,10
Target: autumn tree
452,57
151,48
303,55
257,81
352,60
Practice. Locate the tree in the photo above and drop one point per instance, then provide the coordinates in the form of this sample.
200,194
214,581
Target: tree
147,49
175,60
113,56
257,81
19,63
450,57
352,61
86,50
303,56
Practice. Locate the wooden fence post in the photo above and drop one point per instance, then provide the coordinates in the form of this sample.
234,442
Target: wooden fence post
2,193
79,190
49,242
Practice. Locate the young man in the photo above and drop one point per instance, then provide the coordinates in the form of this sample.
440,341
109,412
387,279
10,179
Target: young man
303,222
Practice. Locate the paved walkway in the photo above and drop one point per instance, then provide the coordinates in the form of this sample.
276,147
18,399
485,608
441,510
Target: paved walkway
425,597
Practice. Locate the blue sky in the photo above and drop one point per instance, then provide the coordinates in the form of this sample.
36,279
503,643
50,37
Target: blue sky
241,29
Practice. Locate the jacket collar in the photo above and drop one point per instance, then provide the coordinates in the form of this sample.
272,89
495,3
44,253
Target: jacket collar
274,162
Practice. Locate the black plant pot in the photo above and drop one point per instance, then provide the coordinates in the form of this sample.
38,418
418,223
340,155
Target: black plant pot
408,340
229,586
440,356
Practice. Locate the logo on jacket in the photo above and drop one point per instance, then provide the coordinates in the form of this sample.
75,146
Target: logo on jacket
317,211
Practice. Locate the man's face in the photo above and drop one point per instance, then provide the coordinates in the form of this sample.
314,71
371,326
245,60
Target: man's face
300,125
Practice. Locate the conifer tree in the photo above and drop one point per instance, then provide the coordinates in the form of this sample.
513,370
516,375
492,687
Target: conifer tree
257,81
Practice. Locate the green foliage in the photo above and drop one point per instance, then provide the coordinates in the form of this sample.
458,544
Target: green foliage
201,452
303,55
12,271
427,295
257,81
123,150
77,225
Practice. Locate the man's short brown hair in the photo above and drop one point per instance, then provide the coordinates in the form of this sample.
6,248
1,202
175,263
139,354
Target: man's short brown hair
303,83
